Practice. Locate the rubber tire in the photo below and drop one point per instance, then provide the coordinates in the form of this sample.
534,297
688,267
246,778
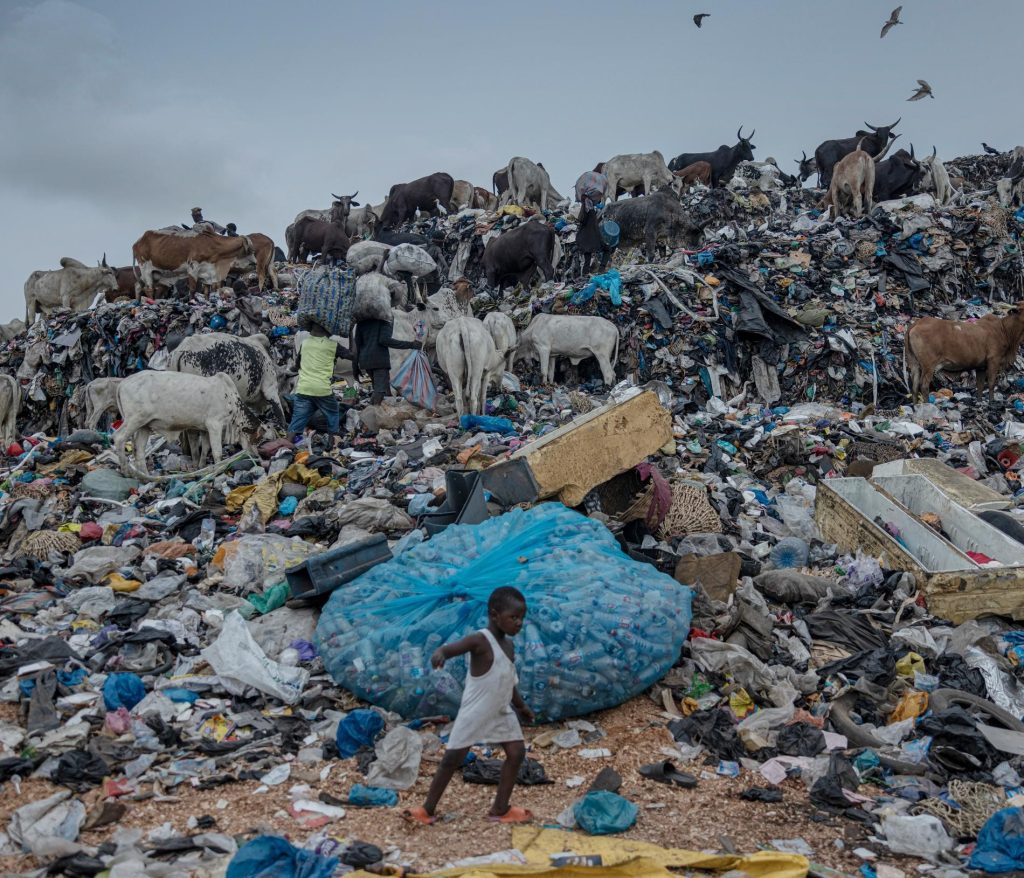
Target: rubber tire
839,716
940,699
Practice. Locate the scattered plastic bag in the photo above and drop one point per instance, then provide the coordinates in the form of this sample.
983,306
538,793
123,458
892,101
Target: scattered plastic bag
398,760
604,813
270,856
488,771
372,797
357,730
239,662
917,836
372,514
257,560
1000,846
122,690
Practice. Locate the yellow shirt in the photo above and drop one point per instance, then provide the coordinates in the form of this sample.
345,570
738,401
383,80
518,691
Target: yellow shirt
316,367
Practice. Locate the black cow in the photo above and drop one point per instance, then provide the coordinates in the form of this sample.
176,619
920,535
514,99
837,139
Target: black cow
424,194
807,167
326,237
723,160
831,151
517,254
897,176
588,239
651,218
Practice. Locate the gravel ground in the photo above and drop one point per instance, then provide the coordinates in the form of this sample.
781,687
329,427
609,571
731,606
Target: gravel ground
711,817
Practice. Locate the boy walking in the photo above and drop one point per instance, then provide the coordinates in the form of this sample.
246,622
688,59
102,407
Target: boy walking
313,390
490,704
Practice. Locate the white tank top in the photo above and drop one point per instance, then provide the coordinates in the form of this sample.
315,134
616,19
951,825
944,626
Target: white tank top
486,715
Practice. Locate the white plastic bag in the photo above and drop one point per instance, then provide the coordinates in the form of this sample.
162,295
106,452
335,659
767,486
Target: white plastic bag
398,760
239,662
409,258
917,836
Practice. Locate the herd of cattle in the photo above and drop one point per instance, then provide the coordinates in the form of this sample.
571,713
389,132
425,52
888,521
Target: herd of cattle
216,383
854,172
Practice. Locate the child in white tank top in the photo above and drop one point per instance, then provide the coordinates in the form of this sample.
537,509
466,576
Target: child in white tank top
490,704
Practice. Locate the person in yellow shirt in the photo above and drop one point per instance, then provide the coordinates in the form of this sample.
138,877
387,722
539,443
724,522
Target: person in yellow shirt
313,389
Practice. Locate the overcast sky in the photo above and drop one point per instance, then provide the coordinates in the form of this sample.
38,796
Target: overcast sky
119,116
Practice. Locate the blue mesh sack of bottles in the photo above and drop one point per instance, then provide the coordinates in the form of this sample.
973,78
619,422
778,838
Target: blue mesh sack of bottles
599,627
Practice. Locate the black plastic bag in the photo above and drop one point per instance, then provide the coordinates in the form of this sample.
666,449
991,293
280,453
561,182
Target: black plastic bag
827,791
762,794
80,770
801,739
360,854
712,728
488,771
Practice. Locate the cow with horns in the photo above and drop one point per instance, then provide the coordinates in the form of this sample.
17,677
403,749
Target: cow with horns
723,160
831,151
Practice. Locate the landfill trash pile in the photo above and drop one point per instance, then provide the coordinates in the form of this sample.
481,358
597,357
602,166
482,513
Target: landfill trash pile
194,666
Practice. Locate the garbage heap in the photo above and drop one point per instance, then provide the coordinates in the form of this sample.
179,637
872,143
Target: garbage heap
852,561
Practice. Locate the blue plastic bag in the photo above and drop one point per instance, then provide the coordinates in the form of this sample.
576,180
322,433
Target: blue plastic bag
372,797
488,424
414,381
356,730
122,690
1000,846
270,856
599,628
611,281
604,813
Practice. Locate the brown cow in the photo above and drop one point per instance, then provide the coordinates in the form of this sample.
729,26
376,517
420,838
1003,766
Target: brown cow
262,259
698,172
484,200
170,252
988,346
126,280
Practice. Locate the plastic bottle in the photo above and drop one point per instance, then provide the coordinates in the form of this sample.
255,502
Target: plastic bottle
789,552
207,532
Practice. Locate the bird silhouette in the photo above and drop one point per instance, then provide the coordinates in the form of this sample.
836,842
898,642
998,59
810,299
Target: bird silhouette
925,90
894,19
991,150
698,19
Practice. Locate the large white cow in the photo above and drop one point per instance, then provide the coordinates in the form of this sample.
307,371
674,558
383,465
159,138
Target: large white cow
562,335
467,355
171,403
647,169
528,183
245,360
936,179
100,397
73,286
10,402
503,334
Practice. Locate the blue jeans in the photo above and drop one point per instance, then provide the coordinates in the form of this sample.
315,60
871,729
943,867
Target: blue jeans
304,406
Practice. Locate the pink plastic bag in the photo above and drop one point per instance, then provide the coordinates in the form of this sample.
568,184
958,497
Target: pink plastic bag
414,381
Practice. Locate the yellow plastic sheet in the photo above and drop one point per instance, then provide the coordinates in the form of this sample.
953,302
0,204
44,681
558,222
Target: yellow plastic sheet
740,703
119,583
264,493
910,663
912,704
622,858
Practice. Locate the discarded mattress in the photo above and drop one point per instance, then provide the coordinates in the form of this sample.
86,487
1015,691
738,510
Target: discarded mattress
600,627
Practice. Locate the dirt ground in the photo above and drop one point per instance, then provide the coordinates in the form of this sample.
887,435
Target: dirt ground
711,817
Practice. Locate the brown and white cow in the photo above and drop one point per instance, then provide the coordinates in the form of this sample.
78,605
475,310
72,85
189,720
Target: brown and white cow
169,252
698,172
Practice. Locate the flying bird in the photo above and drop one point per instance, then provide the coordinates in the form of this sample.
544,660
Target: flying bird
698,19
991,150
924,91
894,19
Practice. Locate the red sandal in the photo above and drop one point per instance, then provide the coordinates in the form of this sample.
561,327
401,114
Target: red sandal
419,816
512,815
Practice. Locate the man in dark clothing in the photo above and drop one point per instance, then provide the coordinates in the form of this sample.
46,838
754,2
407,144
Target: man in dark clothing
372,341
198,221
